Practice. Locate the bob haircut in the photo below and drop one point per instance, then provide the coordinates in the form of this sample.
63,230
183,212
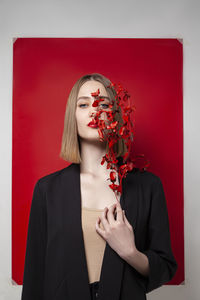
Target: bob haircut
70,146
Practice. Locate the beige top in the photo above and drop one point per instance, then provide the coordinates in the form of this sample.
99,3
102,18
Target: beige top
94,243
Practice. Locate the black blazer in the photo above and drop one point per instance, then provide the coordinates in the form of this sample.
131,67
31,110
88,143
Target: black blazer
55,261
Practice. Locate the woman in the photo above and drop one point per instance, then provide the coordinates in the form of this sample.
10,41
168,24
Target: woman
82,243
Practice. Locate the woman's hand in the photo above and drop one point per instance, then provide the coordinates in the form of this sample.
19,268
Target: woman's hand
118,233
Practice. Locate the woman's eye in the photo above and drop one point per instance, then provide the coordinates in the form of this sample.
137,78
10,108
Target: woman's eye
105,105
81,105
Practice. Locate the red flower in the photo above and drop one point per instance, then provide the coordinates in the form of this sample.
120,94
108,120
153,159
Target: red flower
112,132
113,176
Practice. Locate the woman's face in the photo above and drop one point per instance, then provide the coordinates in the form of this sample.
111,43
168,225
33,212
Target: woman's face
85,111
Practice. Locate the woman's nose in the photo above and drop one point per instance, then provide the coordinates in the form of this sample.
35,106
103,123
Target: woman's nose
93,111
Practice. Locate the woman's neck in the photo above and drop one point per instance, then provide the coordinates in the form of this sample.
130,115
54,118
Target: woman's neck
91,157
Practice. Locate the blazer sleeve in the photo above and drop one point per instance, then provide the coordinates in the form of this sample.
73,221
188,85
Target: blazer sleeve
34,266
162,263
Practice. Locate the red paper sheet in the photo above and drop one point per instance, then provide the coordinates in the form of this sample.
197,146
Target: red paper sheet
44,71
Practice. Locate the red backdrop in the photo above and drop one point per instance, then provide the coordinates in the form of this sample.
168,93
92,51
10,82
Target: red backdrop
44,71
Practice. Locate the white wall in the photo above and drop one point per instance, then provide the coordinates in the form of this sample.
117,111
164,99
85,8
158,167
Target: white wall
105,18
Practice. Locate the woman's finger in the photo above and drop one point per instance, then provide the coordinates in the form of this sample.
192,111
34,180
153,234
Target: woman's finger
99,229
120,215
110,214
103,218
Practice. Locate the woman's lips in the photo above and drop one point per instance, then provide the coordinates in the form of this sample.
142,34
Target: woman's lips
92,124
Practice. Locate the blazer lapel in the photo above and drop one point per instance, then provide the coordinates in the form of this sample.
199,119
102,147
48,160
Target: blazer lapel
112,265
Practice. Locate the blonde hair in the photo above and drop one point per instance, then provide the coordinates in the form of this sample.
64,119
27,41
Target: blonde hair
70,147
